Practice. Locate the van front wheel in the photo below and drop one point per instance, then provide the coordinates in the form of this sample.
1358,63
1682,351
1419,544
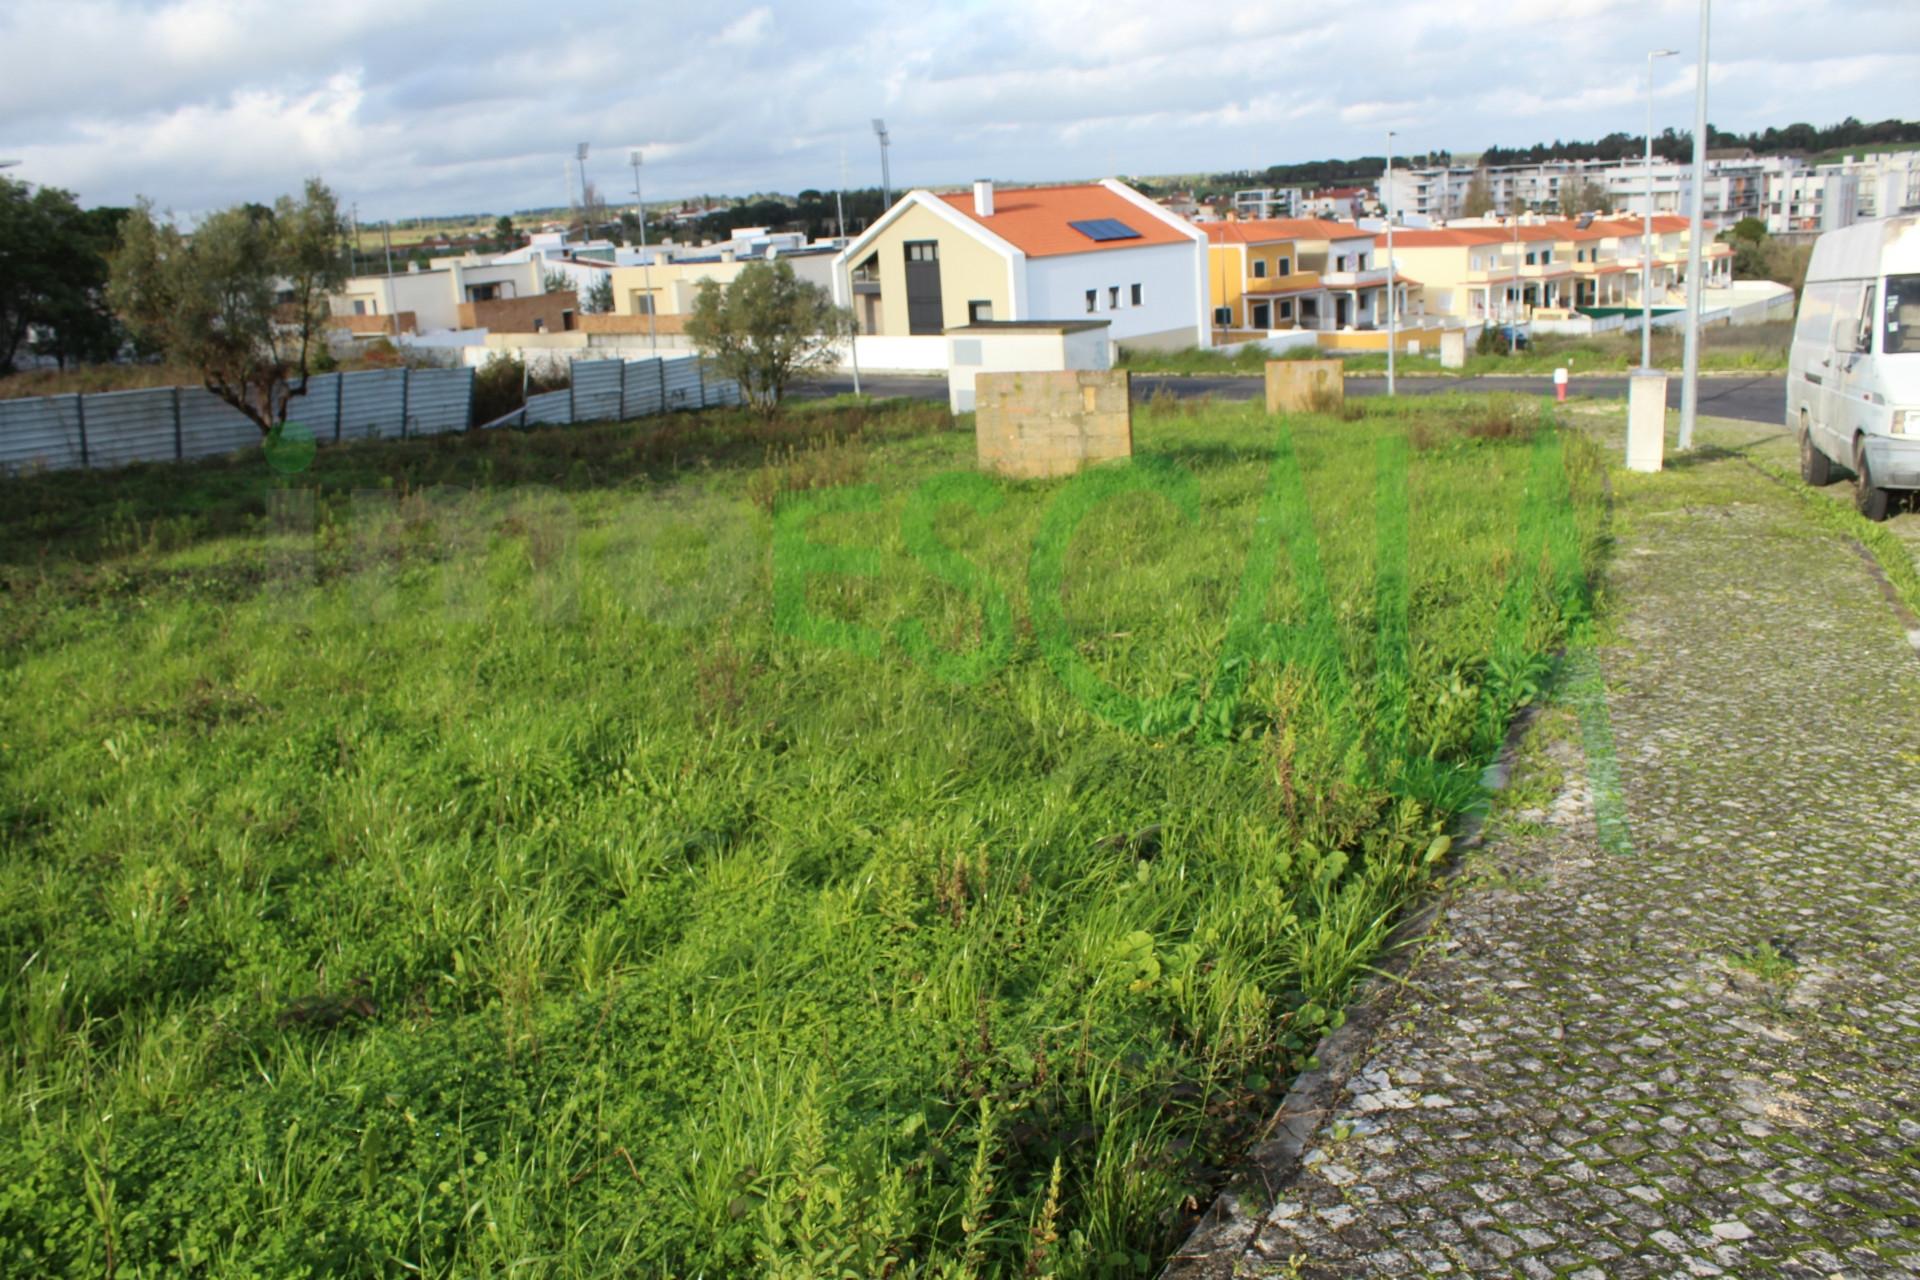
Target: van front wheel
1869,499
1816,468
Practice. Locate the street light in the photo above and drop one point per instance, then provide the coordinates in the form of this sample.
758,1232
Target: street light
646,259
1392,307
886,180
586,202
1646,226
1690,368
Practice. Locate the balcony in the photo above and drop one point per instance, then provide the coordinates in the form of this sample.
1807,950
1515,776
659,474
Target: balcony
1372,277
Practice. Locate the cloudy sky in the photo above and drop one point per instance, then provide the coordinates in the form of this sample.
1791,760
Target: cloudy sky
444,106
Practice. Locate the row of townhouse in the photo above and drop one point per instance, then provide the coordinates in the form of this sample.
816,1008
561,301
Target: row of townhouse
1503,273
1783,191
1266,274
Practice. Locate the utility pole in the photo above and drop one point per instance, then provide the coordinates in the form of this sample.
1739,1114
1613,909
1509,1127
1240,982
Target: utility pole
886,179
353,249
839,196
386,234
1690,369
586,200
1646,227
1393,310
646,259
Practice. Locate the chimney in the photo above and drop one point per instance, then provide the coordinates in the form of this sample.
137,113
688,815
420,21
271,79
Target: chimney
983,197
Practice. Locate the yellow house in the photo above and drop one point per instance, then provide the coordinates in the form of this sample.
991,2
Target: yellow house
1097,250
668,287
1268,274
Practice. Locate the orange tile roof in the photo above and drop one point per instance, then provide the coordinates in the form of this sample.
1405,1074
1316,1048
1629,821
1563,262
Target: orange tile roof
1034,219
1273,230
1663,223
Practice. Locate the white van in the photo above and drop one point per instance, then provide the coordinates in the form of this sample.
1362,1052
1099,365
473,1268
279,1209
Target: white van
1853,378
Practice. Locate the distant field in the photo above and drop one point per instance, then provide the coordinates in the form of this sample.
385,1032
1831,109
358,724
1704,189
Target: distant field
524,853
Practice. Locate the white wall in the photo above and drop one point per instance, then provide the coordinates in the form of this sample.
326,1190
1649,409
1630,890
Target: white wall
1168,276
1014,351
926,353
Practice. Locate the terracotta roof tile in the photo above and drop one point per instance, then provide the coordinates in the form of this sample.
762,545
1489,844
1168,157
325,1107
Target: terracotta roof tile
1034,219
1274,230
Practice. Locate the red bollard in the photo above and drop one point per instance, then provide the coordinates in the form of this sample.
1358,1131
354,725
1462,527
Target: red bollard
1560,386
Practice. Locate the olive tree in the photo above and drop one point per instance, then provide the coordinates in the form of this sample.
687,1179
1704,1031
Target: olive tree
242,297
767,329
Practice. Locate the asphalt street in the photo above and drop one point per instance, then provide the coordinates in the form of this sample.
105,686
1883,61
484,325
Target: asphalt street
1748,397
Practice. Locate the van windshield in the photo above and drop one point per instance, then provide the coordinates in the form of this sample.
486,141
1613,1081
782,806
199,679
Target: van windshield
1903,314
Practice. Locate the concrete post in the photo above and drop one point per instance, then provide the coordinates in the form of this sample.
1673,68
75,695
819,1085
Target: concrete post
1453,349
1646,420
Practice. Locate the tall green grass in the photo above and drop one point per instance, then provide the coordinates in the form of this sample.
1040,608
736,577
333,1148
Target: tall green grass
411,885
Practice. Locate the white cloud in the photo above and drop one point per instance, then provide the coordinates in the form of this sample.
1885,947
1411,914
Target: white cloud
440,106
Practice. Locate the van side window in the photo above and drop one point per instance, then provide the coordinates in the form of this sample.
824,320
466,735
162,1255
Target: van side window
1902,308
1863,334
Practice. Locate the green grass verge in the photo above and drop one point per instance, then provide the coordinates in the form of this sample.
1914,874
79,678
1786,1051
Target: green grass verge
1894,556
477,875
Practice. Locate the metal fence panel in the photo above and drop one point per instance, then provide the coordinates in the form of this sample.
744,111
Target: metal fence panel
549,407
210,426
596,389
683,383
41,432
319,410
722,391
438,400
646,389
130,426
374,404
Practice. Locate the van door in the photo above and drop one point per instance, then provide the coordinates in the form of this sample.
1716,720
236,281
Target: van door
1851,374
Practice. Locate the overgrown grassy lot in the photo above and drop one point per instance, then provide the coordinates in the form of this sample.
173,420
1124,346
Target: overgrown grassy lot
553,862
1760,348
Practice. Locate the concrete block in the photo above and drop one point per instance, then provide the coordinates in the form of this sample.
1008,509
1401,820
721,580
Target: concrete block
1646,420
1293,386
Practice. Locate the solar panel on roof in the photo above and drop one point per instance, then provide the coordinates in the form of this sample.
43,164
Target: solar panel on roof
1105,229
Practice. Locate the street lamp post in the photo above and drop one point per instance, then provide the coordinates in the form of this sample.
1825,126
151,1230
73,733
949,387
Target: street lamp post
1393,310
1646,226
1696,284
586,202
646,259
886,179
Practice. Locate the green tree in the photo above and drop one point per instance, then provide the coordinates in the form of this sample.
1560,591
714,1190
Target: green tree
53,276
767,329
1479,198
505,238
598,299
1584,196
242,299
555,282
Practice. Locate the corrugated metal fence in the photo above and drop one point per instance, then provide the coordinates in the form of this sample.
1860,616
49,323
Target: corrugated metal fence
175,424
611,390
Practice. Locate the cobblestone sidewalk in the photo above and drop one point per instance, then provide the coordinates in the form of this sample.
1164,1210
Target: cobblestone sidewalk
1700,1056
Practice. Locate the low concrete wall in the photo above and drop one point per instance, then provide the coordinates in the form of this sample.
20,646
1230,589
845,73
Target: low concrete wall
1294,386
372,326
538,313
1165,340
1279,341
657,326
926,353
1034,425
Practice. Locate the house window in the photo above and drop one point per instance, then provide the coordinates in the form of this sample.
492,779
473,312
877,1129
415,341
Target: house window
1093,299
1223,317
979,311
1361,262
1113,298
1259,268
642,303
1530,257
1286,266
1136,295
359,307
923,251
1286,308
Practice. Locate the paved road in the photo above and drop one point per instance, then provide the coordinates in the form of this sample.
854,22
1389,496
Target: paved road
1692,1049
1756,398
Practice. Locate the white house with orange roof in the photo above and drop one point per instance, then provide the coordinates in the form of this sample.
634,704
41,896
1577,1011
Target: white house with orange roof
1089,251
